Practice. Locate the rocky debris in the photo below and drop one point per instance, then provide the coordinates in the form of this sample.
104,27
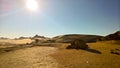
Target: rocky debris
78,44
115,51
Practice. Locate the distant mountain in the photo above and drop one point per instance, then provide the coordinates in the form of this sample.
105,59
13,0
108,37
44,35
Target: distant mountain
70,37
114,36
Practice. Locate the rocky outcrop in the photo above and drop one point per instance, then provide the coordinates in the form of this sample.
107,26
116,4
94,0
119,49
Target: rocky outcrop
78,44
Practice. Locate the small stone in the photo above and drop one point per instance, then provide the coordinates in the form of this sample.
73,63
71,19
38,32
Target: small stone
86,61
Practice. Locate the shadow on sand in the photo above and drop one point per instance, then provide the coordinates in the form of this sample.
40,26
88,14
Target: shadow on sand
87,49
93,51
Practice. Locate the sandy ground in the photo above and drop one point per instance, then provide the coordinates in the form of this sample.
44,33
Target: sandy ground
34,57
97,56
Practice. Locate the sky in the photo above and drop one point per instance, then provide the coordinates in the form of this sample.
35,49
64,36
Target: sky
59,17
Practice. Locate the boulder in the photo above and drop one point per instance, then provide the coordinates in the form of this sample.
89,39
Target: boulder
78,44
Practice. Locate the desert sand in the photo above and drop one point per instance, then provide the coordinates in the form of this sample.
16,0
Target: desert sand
97,56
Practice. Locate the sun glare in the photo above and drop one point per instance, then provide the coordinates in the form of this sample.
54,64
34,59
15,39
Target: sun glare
32,5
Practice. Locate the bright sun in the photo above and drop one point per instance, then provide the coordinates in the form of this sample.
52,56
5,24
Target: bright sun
32,5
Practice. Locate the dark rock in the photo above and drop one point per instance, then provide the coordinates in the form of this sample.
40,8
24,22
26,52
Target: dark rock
78,44
112,52
115,51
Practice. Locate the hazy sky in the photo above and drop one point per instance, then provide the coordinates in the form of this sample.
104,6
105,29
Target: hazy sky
58,17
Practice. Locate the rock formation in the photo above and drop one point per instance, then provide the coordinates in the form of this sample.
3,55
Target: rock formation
78,44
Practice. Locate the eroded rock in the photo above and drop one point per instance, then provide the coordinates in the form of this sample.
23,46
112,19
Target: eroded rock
78,44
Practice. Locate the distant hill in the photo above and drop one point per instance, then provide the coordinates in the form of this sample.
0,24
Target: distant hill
37,36
40,38
3,38
70,37
114,36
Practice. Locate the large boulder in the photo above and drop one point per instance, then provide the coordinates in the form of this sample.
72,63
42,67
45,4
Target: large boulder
78,44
